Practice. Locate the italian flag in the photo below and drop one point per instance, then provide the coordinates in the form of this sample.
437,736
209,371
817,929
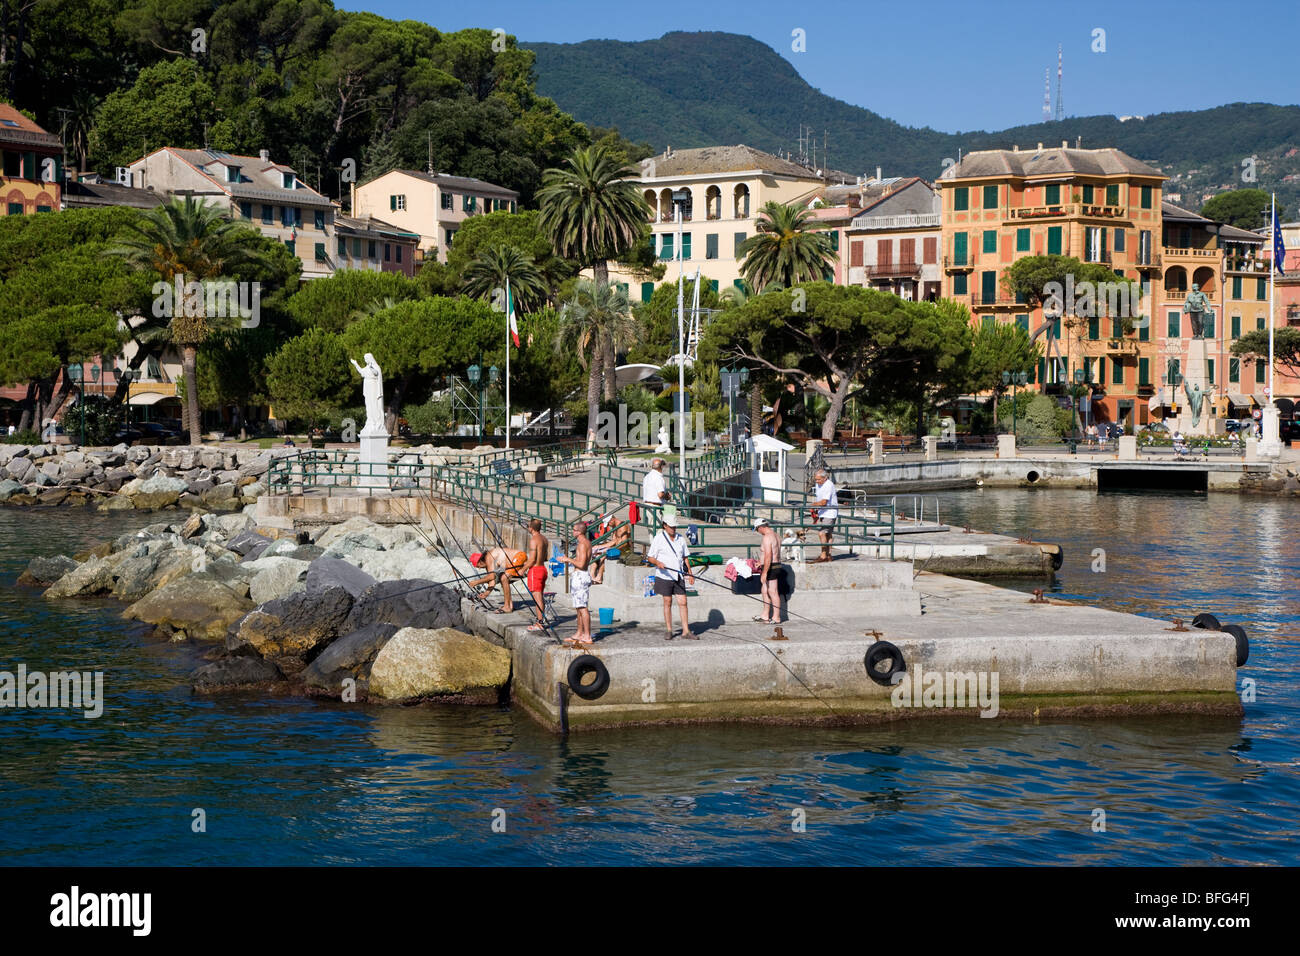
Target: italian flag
510,311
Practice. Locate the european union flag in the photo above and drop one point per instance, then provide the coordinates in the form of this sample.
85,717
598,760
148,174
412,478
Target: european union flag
1279,249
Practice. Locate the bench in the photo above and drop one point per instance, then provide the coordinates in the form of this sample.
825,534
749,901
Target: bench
501,468
890,443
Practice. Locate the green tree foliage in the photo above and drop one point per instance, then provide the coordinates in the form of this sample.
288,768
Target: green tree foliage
166,106
1243,208
498,268
593,323
656,337
1286,347
997,348
330,303
785,250
308,378
521,231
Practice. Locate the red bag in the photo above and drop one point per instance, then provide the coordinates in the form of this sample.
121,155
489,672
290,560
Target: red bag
633,513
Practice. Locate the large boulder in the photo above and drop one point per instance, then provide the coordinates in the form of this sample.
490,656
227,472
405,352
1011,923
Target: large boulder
407,603
411,562
330,572
235,673
292,630
20,469
93,576
418,662
42,572
348,657
202,604
154,500
9,488
162,483
246,541
133,576
275,577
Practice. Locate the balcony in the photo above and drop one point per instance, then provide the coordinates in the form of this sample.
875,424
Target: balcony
1199,255
909,221
893,270
950,264
1097,210
1122,346
1043,212
1247,266
1152,262
1103,259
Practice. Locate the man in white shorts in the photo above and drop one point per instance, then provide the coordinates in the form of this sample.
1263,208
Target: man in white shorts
827,511
580,585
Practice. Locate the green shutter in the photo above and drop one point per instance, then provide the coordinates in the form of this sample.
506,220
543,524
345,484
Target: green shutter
1261,289
1094,328
1259,322
961,199
1174,325
1112,194
1022,240
990,197
1236,287
990,240
1210,368
320,252
686,245
959,284
713,284
1101,373
1056,328
835,240
1236,326
711,246
1259,370
959,248
1144,330
1208,325
666,248
1042,370
647,291
1023,322
1116,372
392,202
1146,197
1144,371
738,240
987,321
1053,240
1052,195
1087,195
989,287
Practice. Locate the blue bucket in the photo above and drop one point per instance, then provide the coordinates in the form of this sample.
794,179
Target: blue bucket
606,616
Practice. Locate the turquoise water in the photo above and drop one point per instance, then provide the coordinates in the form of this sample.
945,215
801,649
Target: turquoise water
285,781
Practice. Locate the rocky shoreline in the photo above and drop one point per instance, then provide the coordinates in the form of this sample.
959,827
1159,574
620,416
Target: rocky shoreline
355,611
140,477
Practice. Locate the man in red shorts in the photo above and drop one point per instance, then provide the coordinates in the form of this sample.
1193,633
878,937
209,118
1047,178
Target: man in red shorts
535,570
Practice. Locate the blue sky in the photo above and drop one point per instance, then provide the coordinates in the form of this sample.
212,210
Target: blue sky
955,65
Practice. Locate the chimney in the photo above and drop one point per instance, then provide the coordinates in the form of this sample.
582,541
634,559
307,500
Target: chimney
878,176
264,155
854,201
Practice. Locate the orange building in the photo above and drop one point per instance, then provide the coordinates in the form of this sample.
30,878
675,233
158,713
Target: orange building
32,172
1097,205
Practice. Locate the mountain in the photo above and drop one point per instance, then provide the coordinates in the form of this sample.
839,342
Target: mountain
700,89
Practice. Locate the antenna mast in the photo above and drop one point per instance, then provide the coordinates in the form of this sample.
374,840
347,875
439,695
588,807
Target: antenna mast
1060,107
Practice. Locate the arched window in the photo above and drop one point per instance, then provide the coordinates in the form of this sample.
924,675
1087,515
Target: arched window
1176,279
666,205
741,201
713,203
1204,277
652,201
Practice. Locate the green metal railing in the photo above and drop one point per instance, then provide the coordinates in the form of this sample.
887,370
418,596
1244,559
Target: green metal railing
337,469
718,463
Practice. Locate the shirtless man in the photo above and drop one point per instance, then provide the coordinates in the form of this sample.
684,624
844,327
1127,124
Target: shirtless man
770,573
580,585
501,565
535,569
622,539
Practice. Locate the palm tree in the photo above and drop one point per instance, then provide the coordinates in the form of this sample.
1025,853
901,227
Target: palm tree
596,321
196,242
497,263
785,250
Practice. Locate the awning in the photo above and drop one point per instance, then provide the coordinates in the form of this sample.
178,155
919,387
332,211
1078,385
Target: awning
1157,400
149,398
1236,398
1261,399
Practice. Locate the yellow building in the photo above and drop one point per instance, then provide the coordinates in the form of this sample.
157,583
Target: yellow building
725,187
32,171
1097,205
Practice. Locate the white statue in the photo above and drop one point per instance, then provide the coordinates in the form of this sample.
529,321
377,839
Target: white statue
663,441
373,389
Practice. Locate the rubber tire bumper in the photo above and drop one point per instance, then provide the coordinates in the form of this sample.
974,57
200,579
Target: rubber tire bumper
580,667
1207,621
877,654
1243,642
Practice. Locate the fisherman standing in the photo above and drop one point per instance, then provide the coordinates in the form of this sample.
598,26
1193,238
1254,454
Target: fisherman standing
669,553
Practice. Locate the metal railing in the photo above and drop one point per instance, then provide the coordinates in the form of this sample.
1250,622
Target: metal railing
307,471
723,462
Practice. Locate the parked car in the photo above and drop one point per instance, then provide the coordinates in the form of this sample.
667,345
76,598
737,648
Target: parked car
1289,429
156,433
1235,425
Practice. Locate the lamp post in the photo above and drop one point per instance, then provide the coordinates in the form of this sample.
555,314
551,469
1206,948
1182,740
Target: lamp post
474,373
680,196
126,375
733,380
1013,379
494,376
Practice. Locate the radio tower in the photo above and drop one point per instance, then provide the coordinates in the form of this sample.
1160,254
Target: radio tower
1060,107
1047,96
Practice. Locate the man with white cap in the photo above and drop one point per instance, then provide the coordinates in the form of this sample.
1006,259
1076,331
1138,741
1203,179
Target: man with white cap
770,574
669,553
825,512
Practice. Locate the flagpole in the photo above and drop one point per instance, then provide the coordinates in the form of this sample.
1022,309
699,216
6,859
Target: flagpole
1272,274
1271,445
509,312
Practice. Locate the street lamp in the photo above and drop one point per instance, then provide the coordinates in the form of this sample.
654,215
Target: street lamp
680,198
475,374
1013,379
733,380
127,376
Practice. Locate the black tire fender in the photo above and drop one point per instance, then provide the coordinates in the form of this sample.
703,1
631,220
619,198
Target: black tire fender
1207,621
580,667
1243,642
879,653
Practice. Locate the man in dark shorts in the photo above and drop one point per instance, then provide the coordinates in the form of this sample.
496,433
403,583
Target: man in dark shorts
669,553
770,573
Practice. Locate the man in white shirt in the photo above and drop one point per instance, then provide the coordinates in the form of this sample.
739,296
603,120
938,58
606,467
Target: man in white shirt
827,510
654,490
669,553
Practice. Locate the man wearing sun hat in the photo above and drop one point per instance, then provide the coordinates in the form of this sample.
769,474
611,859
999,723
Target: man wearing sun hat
670,554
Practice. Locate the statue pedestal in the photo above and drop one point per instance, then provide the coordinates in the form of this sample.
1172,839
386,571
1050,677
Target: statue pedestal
1194,376
1270,445
373,460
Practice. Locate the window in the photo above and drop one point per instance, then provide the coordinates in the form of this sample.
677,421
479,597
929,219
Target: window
1236,326
907,251
931,250
1101,371
1259,371
447,200
1236,287
448,235
320,218
1259,323
397,203
1112,194
1174,317
320,252
1146,197
343,247
960,199
647,291
1144,330
467,203
959,248
738,240
1116,373
356,248
1144,247
388,251
666,249
987,322
512,205
1053,240
711,246
232,174
1261,289
835,240
1096,247
372,249
289,244
268,215
686,245
1022,240
652,244
288,181
739,284
1055,331
990,197
1209,367
15,208
1174,373
286,216
855,255
1208,325
44,209
1144,371
1094,328
959,284
1087,195
990,240
1022,321
1119,240
989,287
399,253
1116,328
1234,370
713,284
246,210
297,217
1052,195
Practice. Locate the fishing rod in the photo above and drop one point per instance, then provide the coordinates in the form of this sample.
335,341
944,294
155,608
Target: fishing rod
437,545
491,526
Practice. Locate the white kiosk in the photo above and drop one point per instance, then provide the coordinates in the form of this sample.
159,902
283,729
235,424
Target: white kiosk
767,461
